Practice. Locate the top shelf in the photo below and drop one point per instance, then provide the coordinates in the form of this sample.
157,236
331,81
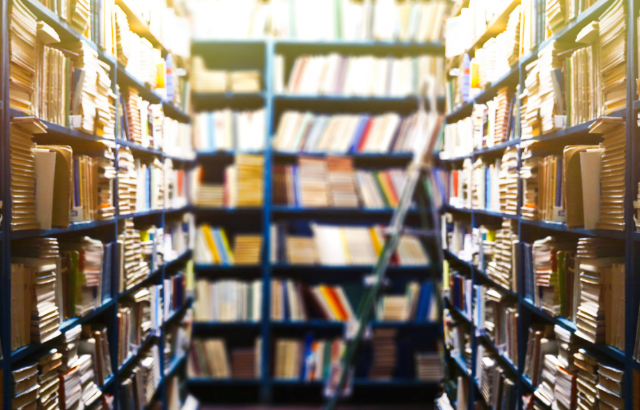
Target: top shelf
141,27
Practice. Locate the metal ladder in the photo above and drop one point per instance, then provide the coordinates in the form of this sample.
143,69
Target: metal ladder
418,168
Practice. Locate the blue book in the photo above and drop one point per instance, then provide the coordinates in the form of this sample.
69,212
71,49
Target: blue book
296,187
76,182
424,301
306,357
106,272
357,136
217,238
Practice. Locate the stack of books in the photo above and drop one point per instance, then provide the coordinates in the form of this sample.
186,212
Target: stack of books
531,184
300,250
540,343
136,269
134,108
312,182
500,268
177,138
26,388
362,76
612,173
23,28
485,190
151,185
48,364
244,181
499,318
23,215
228,130
587,380
612,45
90,392
582,104
210,195
385,354
70,382
509,182
459,138
127,181
228,301
247,249
600,318
429,367
341,184
550,274
247,81
610,385
36,288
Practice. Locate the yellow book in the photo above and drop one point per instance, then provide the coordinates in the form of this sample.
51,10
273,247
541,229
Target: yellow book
345,246
376,240
227,248
206,229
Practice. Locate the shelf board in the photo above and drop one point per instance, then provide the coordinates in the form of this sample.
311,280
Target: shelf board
486,341
141,27
461,112
338,325
381,159
179,312
337,212
458,312
204,327
185,255
200,155
495,284
141,214
351,47
108,383
352,104
208,381
61,134
134,356
562,227
496,26
179,159
496,214
175,112
211,101
213,270
146,92
137,147
228,211
510,78
74,227
298,270
27,351
174,364
462,366
143,282
499,147
609,351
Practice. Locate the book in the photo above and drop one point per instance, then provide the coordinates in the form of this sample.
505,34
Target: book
228,300
228,130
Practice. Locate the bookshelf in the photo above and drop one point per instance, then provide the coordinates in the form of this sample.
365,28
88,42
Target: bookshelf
530,230
106,230
260,55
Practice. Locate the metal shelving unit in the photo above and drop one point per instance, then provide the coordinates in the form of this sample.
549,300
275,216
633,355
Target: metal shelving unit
107,230
528,229
260,55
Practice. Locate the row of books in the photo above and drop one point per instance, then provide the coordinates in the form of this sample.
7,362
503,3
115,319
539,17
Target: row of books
491,248
460,188
239,301
212,247
347,133
564,374
228,130
333,245
497,317
178,236
139,317
591,273
497,386
53,281
489,124
71,70
362,76
457,339
146,183
174,293
141,382
557,187
384,20
206,80
582,86
333,182
68,375
210,358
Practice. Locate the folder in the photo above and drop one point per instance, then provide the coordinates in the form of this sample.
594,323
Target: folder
62,198
572,183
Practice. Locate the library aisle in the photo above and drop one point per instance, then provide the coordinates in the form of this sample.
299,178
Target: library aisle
215,204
